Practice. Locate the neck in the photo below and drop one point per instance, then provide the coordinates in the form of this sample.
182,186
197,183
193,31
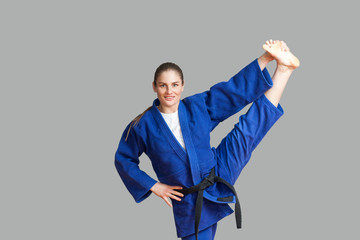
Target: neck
168,109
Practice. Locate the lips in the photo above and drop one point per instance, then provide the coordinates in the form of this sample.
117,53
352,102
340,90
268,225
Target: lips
169,98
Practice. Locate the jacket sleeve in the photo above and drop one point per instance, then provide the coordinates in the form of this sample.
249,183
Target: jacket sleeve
127,164
227,98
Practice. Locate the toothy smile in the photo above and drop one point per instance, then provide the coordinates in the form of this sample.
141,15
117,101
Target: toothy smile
169,98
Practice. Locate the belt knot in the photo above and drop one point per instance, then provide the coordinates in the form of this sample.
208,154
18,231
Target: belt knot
207,182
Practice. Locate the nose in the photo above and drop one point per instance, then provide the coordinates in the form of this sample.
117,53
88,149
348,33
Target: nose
168,90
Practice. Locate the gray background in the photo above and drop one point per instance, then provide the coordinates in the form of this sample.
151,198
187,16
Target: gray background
74,73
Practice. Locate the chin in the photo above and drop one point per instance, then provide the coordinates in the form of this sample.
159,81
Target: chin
169,104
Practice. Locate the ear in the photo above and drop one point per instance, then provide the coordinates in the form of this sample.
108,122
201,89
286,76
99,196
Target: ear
154,88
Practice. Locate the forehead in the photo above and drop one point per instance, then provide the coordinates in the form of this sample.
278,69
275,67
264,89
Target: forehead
169,76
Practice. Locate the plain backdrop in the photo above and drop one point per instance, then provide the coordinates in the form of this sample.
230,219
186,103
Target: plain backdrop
75,73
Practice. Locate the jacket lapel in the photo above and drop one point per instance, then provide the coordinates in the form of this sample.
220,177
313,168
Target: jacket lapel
184,123
165,130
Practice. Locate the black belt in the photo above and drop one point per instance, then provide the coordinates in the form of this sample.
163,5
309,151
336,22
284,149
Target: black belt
207,182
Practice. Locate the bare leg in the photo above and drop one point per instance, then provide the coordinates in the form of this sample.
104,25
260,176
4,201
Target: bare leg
286,64
264,59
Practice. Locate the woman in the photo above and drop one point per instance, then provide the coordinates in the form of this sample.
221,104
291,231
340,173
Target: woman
175,135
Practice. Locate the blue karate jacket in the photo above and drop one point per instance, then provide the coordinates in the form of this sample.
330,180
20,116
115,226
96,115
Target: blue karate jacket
199,115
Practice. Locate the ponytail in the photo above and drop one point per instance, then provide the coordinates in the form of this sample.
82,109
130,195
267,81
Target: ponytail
135,121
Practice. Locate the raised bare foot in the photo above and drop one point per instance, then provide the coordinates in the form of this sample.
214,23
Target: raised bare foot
280,51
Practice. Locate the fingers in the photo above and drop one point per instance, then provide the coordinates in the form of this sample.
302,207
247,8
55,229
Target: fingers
175,198
177,193
173,194
167,201
173,190
166,192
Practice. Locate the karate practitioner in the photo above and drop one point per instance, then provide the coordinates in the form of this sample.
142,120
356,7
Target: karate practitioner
175,135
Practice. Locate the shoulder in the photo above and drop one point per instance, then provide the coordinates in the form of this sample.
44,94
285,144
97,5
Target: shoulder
195,99
137,125
142,119
196,102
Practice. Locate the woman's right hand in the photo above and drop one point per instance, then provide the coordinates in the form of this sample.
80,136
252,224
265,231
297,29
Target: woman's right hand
165,192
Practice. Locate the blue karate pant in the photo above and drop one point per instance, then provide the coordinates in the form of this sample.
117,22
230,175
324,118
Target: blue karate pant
234,151
206,234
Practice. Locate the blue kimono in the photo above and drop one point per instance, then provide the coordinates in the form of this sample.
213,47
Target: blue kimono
199,115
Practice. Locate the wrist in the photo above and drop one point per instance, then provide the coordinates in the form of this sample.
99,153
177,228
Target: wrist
153,187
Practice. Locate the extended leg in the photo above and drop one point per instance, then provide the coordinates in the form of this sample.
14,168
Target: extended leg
235,150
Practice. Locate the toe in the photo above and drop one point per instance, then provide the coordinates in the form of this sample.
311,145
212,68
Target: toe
266,47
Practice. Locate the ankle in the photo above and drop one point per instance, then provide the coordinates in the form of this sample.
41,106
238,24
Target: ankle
264,59
284,68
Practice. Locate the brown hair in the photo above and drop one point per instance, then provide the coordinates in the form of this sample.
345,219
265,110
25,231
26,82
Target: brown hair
162,68
166,67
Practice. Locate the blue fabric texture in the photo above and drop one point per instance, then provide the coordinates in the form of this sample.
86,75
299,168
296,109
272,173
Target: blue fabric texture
206,234
199,115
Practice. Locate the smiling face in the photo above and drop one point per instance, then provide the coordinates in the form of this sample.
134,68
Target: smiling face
169,87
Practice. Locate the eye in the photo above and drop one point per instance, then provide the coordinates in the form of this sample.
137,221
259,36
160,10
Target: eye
162,85
175,85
